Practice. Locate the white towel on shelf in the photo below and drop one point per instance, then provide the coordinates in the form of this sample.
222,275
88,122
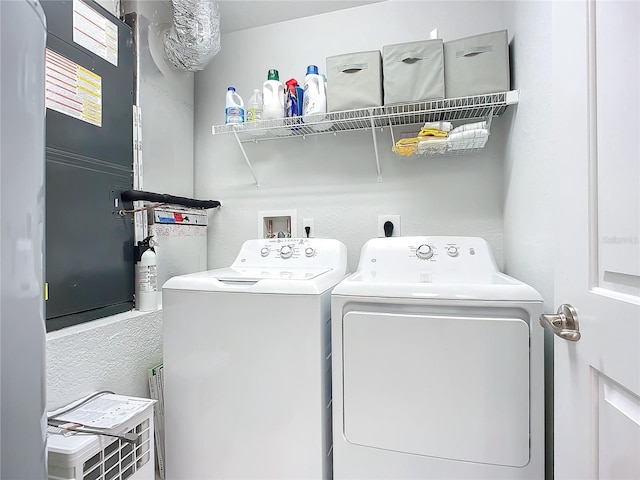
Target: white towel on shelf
466,144
474,133
476,138
470,126
433,146
444,126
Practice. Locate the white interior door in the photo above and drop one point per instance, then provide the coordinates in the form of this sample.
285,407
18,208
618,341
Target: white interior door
596,55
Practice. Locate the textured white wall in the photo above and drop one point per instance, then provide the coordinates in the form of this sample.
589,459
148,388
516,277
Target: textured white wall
332,179
108,354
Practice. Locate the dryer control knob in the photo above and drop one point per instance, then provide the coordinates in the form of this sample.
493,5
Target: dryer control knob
452,251
424,251
264,251
286,252
309,251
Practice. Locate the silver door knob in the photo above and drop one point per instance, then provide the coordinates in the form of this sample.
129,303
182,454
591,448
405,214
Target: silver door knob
564,323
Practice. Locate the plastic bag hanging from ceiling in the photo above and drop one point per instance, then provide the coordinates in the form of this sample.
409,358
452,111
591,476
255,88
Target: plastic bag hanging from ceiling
194,37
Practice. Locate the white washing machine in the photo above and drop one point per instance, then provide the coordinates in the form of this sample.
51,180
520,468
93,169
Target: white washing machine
247,364
437,365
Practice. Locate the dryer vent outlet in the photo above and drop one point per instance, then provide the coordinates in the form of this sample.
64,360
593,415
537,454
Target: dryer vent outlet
395,221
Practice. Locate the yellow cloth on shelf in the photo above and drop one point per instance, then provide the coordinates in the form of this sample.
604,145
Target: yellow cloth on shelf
406,146
431,132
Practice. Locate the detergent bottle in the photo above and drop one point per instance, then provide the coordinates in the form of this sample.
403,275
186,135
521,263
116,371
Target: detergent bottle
273,97
315,96
234,111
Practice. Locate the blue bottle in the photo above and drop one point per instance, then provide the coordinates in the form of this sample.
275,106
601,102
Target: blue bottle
294,102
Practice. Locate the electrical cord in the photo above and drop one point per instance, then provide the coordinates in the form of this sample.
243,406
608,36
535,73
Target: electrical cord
83,402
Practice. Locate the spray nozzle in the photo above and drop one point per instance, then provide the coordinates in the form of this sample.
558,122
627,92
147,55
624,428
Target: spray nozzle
291,85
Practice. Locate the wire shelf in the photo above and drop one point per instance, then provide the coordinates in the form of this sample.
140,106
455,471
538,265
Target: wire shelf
449,109
372,119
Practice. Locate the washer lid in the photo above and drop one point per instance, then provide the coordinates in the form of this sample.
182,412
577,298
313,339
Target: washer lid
292,281
255,274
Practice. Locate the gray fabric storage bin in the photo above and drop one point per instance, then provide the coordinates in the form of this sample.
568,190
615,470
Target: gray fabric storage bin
354,80
413,71
477,65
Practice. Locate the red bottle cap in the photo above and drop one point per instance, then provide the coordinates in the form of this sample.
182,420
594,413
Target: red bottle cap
291,85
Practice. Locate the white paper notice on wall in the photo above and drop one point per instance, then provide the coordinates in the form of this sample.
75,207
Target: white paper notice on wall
95,32
72,90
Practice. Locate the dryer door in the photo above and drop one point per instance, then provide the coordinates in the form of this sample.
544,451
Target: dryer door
442,386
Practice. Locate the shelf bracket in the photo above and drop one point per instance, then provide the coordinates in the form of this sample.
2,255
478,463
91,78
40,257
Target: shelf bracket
246,158
393,138
375,147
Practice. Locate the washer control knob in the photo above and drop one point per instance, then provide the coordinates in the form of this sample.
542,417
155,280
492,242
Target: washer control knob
309,251
264,251
286,252
424,251
452,251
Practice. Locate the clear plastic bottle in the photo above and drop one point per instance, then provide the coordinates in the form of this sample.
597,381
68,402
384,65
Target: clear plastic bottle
234,111
254,107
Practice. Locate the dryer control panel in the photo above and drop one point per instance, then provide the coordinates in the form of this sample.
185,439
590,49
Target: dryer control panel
427,259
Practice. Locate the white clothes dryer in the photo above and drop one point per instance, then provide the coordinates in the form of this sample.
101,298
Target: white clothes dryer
247,366
437,365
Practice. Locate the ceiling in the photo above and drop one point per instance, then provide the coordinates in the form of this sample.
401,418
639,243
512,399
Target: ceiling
242,14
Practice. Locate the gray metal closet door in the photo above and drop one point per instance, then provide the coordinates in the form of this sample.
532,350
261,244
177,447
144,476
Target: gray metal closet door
89,162
22,331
